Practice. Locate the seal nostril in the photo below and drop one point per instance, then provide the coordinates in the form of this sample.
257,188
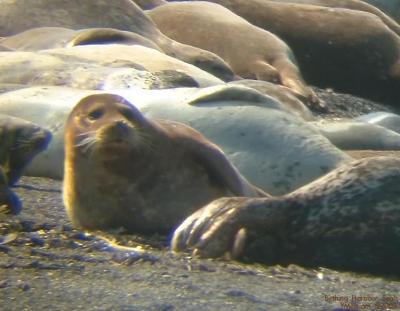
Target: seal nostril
120,128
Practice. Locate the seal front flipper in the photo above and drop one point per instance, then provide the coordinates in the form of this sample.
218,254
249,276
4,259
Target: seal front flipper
9,201
220,170
222,227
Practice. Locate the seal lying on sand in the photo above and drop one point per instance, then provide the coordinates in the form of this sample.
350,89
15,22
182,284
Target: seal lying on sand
348,219
250,128
123,170
251,51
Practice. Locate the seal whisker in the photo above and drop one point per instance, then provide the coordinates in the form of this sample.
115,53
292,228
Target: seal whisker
87,143
86,133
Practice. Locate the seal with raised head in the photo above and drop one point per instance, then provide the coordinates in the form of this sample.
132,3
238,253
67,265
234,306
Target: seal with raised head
123,170
348,219
252,52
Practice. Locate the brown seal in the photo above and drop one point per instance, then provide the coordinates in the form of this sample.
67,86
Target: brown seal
350,50
347,219
123,170
250,51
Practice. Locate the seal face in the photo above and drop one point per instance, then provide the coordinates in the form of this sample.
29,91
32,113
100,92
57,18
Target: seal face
123,170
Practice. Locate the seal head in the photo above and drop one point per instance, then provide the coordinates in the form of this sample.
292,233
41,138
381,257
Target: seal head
124,170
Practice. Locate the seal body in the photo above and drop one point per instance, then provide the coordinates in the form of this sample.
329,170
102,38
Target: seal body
250,128
251,51
123,170
119,14
350,50
347,219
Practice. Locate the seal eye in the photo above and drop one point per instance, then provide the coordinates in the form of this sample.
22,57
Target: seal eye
95,114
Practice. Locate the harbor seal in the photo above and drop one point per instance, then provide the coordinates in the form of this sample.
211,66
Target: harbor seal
250,128
118,14
123,170
351,51
99,66
20,142
252,52
348,219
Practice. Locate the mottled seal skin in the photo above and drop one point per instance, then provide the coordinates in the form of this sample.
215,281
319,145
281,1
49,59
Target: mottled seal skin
125,171
250,51
349,50
20,142
348,219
